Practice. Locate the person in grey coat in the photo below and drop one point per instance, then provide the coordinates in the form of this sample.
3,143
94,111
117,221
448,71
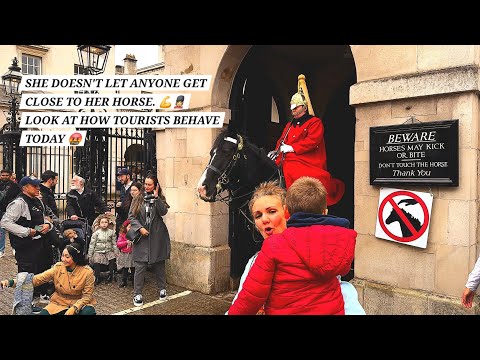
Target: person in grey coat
153,247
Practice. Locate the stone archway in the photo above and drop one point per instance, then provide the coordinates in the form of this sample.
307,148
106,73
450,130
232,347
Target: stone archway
252,78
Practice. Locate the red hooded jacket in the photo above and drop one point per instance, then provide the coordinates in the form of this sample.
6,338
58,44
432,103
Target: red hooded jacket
296,272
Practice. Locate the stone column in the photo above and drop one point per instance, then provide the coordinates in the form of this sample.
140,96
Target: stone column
200,258
431,83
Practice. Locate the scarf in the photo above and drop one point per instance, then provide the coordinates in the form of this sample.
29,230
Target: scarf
148,209
302,219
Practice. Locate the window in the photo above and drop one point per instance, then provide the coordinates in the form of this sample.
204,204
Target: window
78,69
31,65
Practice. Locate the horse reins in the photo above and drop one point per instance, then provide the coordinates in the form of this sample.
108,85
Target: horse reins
223,178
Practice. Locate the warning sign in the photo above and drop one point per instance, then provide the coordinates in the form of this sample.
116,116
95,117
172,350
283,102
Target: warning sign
404,216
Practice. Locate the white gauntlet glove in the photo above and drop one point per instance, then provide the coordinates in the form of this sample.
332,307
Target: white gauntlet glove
272,155
286,148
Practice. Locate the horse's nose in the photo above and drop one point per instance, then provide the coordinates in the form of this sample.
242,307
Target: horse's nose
202,190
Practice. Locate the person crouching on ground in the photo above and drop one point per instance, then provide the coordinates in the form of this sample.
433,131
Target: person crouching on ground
296,271
74,284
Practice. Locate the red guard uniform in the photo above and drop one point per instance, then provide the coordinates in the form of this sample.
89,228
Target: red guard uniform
310,158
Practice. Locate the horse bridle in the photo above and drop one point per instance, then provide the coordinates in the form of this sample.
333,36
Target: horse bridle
223,179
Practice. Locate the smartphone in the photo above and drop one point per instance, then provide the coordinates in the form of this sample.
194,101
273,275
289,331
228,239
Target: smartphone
38,227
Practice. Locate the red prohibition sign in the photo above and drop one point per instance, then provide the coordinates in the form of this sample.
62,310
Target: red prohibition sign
415,234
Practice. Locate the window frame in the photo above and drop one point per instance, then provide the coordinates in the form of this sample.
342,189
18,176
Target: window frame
32,66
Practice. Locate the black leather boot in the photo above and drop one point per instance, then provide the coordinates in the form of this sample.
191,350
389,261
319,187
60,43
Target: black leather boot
123,283
109,277
96,269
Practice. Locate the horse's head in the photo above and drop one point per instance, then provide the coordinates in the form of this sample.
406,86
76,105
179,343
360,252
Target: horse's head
223,157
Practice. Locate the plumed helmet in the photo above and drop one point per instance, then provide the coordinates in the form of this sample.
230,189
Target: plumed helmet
297,100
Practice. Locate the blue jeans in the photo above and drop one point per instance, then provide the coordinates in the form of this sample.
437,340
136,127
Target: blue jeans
2,240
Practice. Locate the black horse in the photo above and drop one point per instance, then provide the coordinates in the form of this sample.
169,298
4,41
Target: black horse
236,167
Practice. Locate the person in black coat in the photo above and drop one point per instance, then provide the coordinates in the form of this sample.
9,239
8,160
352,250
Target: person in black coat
49,180
81,203
9,190
153,247
28,227
125,178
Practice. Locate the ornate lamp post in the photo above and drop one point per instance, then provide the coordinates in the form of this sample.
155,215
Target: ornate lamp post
14,156
92,159
93,58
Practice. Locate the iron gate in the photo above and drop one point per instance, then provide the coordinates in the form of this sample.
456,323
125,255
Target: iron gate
105,152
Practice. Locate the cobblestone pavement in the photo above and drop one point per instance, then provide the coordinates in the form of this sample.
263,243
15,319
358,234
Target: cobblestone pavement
114,300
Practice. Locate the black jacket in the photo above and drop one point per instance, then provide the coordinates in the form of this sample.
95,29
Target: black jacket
48,198
84,205
12,189
122,211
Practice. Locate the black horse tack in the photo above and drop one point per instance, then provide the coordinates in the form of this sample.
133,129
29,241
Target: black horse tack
235,168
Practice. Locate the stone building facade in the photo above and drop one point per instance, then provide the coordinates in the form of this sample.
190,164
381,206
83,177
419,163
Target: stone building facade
353,88
47,60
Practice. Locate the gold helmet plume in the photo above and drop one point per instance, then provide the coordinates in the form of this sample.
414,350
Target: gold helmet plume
301,97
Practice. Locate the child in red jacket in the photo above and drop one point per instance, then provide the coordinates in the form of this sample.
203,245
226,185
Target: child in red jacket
125,259
296,271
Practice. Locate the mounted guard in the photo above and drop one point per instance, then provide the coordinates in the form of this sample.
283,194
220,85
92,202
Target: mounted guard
302,146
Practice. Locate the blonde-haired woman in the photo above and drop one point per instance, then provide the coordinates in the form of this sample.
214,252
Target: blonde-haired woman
269,212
